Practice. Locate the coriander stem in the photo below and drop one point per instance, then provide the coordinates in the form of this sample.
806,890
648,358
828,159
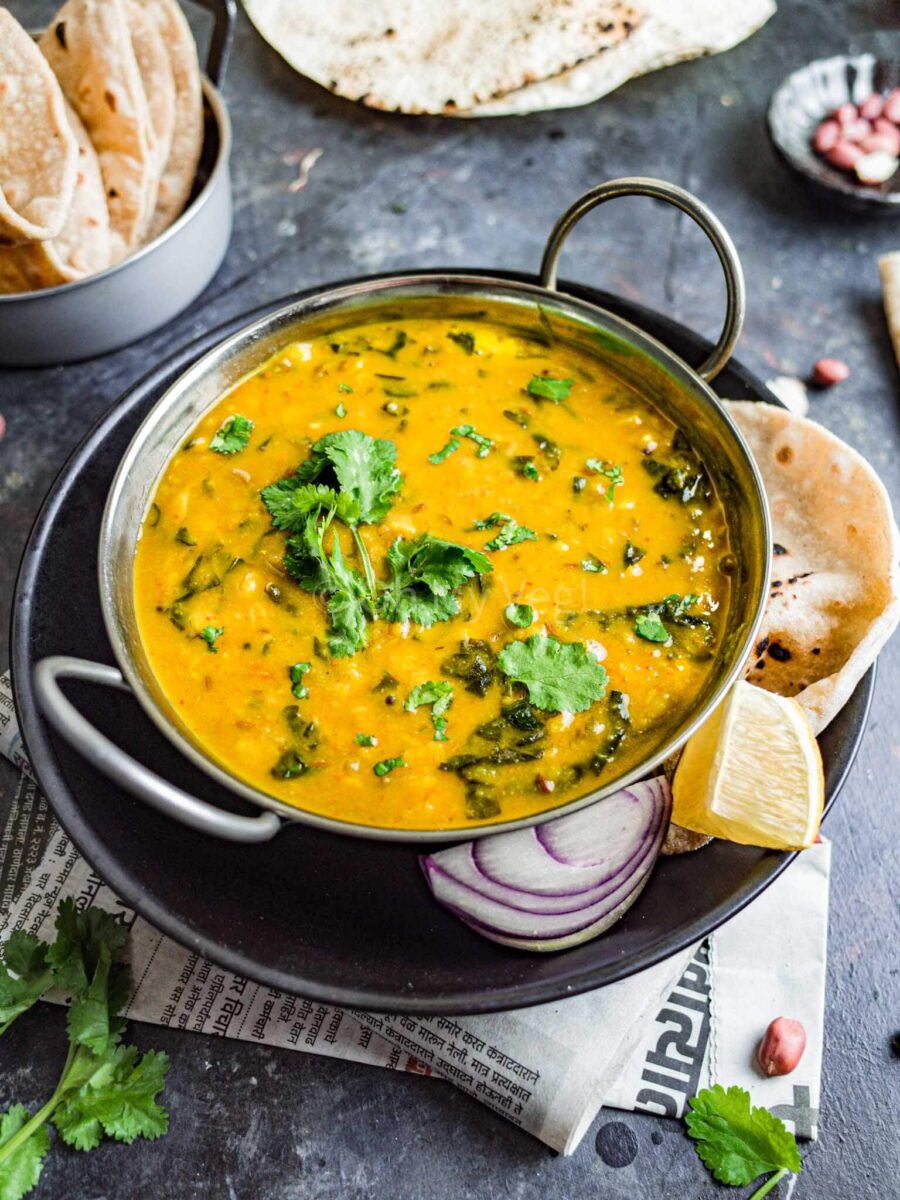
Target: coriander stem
769,1184
366,562
42,1114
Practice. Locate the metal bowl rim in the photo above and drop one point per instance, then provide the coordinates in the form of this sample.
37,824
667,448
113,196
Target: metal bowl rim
223,122
424,285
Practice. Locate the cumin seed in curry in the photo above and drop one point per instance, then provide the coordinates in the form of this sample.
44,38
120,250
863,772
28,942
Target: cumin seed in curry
431,574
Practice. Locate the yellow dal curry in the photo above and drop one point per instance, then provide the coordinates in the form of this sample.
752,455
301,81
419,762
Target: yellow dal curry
580,523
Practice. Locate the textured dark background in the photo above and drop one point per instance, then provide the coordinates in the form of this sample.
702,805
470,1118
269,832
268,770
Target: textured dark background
392,192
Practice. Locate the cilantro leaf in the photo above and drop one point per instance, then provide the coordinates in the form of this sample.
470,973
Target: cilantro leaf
526,468
21,1169
208,634
75,954
649,626
362,468
424,575
739,1143
545,387
290,502
345,387
117,1098
233,436
559,676
440,696
348,595
24,976
610,471
521,615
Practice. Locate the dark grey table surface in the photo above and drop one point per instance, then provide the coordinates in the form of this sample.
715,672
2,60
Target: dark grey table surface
389,193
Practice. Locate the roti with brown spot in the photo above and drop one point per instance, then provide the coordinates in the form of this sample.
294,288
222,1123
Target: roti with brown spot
82,246
419,56
88,45
38,152
835,594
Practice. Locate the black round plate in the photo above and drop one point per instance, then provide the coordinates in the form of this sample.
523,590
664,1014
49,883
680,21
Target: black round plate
332,918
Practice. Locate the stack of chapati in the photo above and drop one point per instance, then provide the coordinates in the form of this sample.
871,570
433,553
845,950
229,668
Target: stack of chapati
478,58
101,128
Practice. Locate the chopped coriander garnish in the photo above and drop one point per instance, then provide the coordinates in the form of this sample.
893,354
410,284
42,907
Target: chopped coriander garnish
632,554
366,739
387,765
592,563
559,676
233,435
438,457
466,341
511,534
484,444
440,696
209,635
345,387
579,483
520,615
340,410
649,626
296,672
525,466
547,388
610,471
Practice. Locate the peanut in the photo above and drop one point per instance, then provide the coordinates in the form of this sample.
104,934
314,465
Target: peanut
782,1046
829,371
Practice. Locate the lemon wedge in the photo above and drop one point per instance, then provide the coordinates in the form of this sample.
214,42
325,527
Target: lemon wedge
752,773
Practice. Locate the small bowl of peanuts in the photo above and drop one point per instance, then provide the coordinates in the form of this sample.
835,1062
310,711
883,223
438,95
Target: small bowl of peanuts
836,122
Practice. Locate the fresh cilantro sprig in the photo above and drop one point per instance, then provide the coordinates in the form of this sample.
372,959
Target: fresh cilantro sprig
424,576
440,696
559,676
105,1088
739,1143
233,435
352,477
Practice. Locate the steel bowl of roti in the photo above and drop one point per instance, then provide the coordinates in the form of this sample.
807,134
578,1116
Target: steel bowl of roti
115,197
430,556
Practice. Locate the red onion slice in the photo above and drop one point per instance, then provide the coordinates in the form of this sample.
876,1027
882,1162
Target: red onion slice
554,914
593,844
